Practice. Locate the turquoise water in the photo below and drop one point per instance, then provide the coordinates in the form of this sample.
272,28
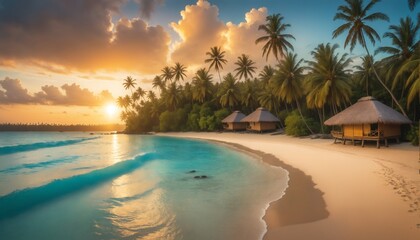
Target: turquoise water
81,186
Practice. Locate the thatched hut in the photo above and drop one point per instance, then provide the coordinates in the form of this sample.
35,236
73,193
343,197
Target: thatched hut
233,122
261,120
368,120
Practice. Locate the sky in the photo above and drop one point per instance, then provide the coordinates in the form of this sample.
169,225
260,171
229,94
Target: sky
64,61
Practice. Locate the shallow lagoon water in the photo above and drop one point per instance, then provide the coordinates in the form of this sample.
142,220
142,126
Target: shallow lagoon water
81,186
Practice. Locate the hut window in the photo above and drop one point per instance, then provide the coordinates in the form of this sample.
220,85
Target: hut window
374,126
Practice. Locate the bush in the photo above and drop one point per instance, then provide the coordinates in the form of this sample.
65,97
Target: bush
296,127
413,135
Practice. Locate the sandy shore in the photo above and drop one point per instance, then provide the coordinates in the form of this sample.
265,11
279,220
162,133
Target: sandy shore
337,191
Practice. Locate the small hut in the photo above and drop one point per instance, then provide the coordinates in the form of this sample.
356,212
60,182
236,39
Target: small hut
368,120
261,120
233,122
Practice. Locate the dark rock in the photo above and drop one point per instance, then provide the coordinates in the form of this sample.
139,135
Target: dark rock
201,177
204,176
192,171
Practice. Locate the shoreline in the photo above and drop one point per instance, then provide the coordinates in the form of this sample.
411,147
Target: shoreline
335,191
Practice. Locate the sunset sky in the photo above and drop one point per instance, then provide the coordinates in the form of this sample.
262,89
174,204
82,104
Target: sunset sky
64,61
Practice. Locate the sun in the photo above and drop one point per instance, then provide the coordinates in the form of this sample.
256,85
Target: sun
111,109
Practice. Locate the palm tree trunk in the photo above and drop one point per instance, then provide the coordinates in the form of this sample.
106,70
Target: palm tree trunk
220,78
320,120
383,84
301,115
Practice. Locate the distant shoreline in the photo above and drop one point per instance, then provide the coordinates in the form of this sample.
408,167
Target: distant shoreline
61,128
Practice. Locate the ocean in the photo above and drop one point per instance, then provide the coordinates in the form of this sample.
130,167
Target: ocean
79,186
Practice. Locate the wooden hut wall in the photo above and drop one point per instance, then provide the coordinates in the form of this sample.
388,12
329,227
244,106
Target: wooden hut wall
266,126
390,130
239,126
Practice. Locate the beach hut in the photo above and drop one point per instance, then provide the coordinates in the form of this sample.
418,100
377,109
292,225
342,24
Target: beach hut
233,122
261,120
368,120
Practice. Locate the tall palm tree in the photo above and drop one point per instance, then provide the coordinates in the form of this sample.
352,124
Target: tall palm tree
249,99
151,96
412,67
230,92
403,39
158,83
179,72
216,59
364,72
412,4
172,96
202,85
288,80
356,15
141,93
327,80
129,83
266,74
276,41
246,67
167,74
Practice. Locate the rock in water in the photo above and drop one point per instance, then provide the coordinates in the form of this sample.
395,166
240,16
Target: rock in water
192,171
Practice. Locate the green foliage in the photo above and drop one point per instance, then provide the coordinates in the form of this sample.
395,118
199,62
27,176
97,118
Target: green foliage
413,135
295,125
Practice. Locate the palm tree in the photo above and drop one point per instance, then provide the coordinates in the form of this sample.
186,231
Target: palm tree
202,85
327,80
179,72
246,67
364,72
355,15
288,80
230,92
129,83
173,96
266,74
412,4
412,67
276,41
158,83
167,74
141,93
151,96
249,99
404,44
216,59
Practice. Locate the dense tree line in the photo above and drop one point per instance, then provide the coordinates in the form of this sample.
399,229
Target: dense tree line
302,93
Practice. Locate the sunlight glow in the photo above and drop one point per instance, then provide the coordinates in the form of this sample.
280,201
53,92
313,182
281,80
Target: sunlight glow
111,109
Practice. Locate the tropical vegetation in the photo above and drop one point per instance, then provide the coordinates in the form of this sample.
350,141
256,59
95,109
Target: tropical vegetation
301,92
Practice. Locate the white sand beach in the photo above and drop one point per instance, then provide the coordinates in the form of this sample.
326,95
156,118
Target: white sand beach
337,191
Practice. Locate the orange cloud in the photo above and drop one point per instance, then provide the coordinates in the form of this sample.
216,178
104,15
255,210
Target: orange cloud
199,29
78,35
15,93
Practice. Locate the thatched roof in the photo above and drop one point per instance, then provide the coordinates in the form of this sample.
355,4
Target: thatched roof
235,117
368,110
260,115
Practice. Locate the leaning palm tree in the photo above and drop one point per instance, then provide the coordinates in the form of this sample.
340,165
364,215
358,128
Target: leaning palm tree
216,59
202,85
276,41
167,74
179,72
327,80
246,67
403,39
230,92
412,67
141,93
355,16
288,82
129,83
412,4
